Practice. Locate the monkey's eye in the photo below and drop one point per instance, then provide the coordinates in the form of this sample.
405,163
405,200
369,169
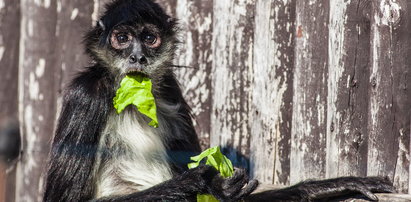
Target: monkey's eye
151,40
120,40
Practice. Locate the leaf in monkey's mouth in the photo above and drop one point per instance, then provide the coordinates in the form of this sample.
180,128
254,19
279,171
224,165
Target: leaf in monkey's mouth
136,89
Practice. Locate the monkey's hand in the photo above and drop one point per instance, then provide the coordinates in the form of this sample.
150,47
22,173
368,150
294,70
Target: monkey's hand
225,189
346,186
326,190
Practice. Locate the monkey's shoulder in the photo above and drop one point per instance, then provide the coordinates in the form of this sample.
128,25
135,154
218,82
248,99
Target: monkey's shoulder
95,81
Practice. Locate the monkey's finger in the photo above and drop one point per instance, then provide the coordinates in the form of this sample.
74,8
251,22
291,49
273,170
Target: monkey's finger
248,189
240,177
364,191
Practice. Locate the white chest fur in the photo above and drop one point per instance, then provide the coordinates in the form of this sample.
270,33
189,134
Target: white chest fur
132,156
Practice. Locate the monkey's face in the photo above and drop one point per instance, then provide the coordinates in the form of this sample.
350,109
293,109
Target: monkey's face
141,49
133,36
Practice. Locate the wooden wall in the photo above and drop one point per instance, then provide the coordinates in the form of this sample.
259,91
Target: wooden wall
291,89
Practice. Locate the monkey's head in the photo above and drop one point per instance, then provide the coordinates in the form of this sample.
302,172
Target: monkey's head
133,36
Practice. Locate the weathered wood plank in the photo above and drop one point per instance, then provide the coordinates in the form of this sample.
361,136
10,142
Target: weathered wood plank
308,141
36,93
195,21
52,32
75,17
271,91
389,108
9,50
232,46
349,53
401,50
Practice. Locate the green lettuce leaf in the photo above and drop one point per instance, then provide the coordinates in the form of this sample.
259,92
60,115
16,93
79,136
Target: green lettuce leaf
216,159
136,90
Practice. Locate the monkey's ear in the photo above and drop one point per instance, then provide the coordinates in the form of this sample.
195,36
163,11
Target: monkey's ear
101,24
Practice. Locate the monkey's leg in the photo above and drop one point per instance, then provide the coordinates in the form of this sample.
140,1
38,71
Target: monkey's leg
203,180
318,190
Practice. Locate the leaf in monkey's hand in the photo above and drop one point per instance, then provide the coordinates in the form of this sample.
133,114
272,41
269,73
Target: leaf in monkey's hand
216,159
136,89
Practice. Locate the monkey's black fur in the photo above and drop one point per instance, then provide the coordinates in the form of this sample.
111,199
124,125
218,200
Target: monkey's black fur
87,144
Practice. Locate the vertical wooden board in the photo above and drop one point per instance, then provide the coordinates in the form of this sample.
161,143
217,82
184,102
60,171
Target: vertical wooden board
51,46
36,93
195,22
9,51
349,52
232,55
271,91
75,18
401,51
389,113
308,141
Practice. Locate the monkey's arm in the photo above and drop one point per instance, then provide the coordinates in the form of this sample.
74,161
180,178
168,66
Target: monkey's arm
327,189
84,112
185,187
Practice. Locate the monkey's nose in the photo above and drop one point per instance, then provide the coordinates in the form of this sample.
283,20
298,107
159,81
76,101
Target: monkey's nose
142,60
133,59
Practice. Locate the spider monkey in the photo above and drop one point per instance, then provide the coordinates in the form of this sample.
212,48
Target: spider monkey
99,155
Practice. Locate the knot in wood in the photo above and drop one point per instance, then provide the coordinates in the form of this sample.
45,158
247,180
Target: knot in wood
374,82
391,12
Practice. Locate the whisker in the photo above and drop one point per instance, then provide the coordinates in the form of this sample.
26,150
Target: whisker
182,66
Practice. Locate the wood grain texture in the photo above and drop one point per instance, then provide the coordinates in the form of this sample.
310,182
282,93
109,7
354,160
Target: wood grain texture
232,47
50,50
389,108
308,141
36,93
9,58
270,107
195,21
349,55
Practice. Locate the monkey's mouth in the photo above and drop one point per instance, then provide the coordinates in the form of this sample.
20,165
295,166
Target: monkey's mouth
134,69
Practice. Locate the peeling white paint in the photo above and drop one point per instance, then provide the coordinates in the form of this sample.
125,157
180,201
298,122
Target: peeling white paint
401,169
2,49
336,50
59,6
193,81
94,15
31,139
40,68
390,11
43,3
33,87
47,3
30,27
21,91
2,4
74,14
228,43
